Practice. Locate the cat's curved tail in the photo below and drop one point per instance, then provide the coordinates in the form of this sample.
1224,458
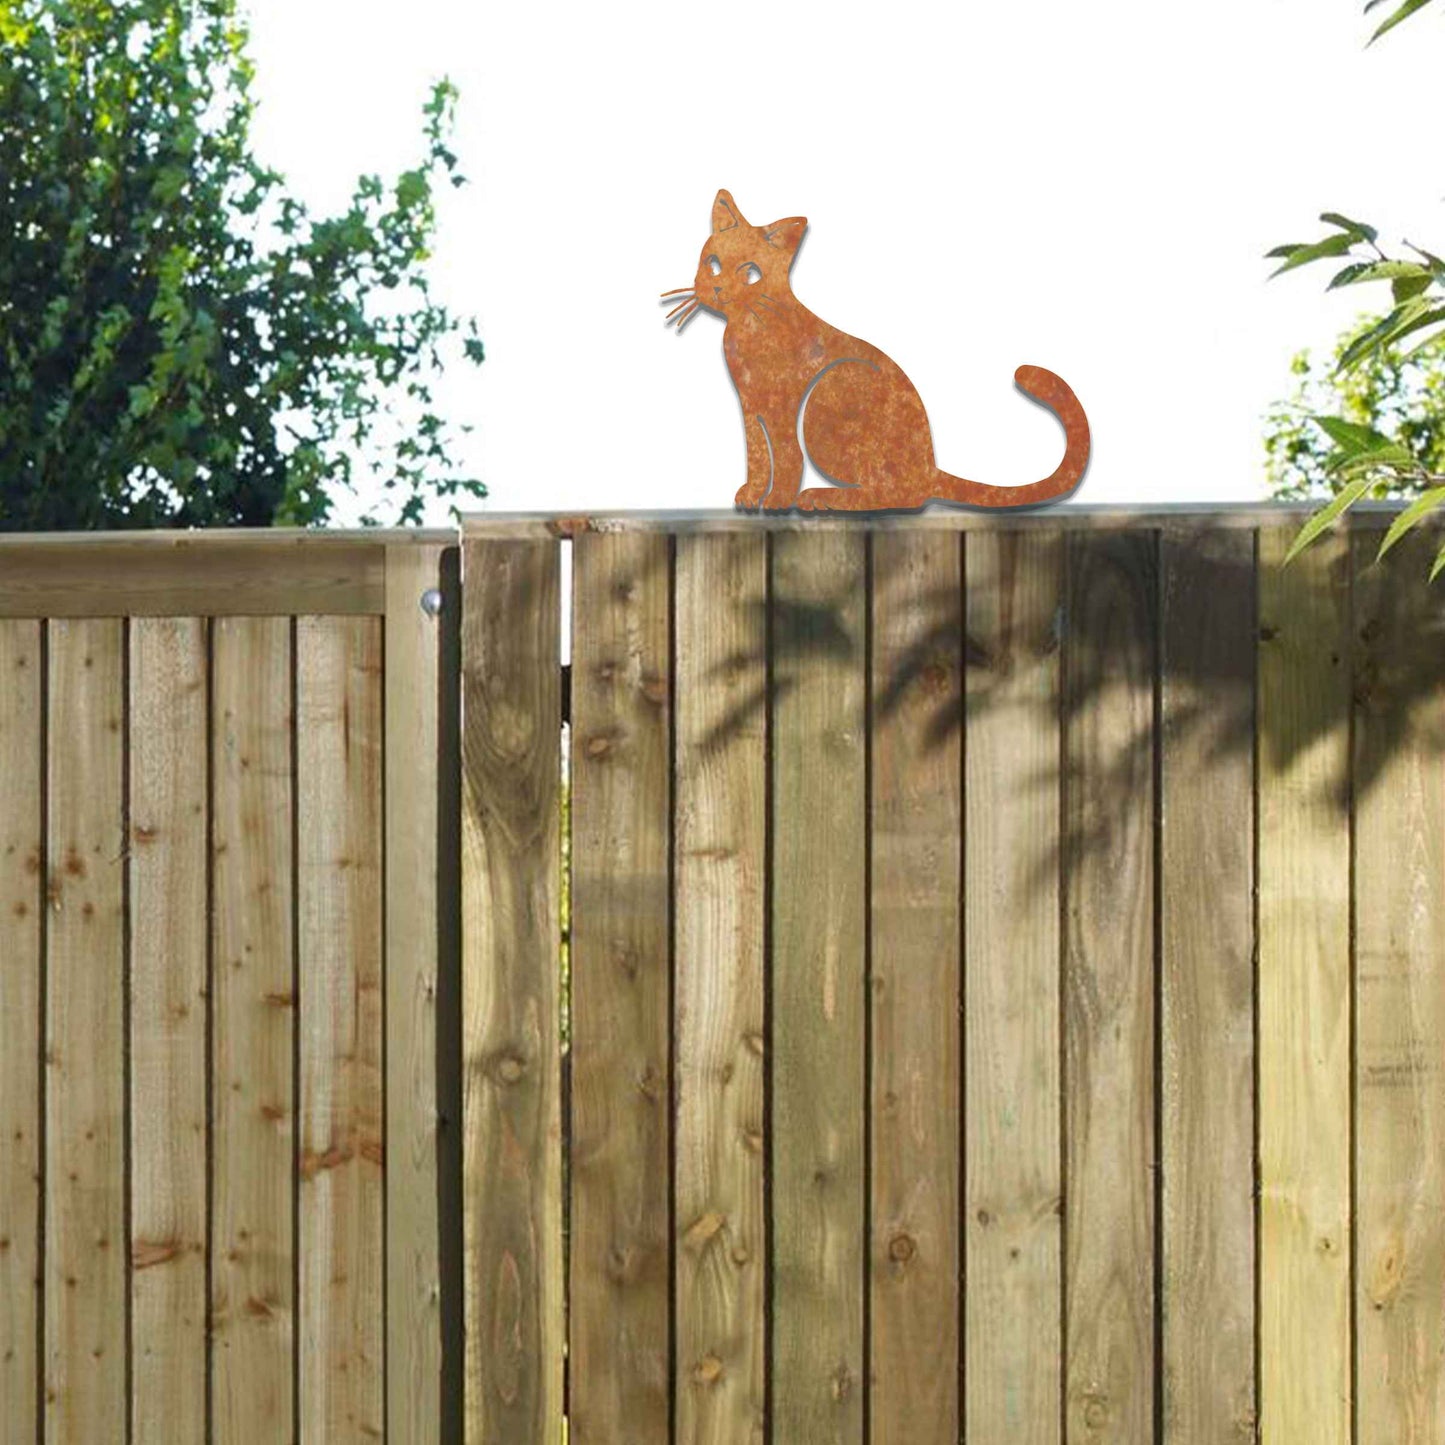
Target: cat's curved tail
1056,394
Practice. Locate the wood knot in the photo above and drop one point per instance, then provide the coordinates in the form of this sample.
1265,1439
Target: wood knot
509,1067
841,1385
598,746
1096,1413
901,1248
702,1230
753,1042
984,1218
707,1371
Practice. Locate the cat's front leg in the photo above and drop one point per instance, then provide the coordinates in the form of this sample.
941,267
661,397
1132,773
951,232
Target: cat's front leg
760,465
787,458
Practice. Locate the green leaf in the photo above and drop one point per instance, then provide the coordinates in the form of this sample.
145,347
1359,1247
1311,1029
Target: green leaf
1439,564
1420,507
1380,271
1355,228
1406,10
1402,288
1326,516
1302,255
1350,436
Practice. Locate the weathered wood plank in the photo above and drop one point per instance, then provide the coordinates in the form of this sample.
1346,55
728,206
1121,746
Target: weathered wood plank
415,739
22,851
719,902
1013,1210
511,699
1399,688
340,1187
1207,986
253,986
1109,670
915,824
168,880
193,576
817,612
621,1005
85,1245
1304,1004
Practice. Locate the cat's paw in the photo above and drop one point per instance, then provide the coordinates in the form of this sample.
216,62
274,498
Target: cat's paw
822,499
777,501
749,496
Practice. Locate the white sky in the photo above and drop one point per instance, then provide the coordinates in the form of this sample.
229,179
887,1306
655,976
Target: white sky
1085,187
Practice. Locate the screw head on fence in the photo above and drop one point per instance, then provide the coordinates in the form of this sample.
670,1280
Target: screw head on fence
431,602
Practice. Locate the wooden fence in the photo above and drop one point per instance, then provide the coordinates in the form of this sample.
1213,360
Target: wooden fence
1006,987
222,1182
1004,995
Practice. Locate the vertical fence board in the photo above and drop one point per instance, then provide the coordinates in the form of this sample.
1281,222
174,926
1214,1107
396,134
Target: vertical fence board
167,846
511,697
21,901
415,767
85,1244
1400,1007
1207,986
818,907
340,1185
917,687
1304,1008
253,989
1108,982
1013,1211
621,1088
719,901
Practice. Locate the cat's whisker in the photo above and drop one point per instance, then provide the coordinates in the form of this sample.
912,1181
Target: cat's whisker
686,301
683,320
690,307
761,315
768,301
763,296
681,291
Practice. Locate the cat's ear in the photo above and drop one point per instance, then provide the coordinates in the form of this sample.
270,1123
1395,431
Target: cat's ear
725,213
786,235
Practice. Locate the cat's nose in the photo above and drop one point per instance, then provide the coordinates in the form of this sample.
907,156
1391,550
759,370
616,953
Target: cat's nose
717,290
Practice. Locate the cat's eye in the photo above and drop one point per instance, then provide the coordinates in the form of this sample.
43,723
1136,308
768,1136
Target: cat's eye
714,265
751,273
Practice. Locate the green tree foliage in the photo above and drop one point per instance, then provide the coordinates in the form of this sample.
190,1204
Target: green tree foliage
181,342
1364,460
1399,398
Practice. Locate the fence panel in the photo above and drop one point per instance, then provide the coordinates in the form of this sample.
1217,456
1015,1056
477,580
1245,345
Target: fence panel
916,793
183,1256
1304,993
621,994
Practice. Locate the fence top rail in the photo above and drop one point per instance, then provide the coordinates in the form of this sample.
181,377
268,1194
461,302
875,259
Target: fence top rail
203,539
220,572
1366,515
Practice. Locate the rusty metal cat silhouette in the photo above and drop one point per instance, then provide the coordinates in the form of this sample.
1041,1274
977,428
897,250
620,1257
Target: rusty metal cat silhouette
862,422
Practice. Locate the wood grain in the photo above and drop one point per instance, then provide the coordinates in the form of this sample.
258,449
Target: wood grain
1013,1207
1304,994
167,847
719,899
85,1244
511,740
415,738
621,1005
915,827
22,853
340,1186
818,899
253,996
1109,656
1399,1005
1207,986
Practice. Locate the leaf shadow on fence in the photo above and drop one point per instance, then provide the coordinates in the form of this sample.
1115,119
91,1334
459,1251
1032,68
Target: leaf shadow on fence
1189,630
